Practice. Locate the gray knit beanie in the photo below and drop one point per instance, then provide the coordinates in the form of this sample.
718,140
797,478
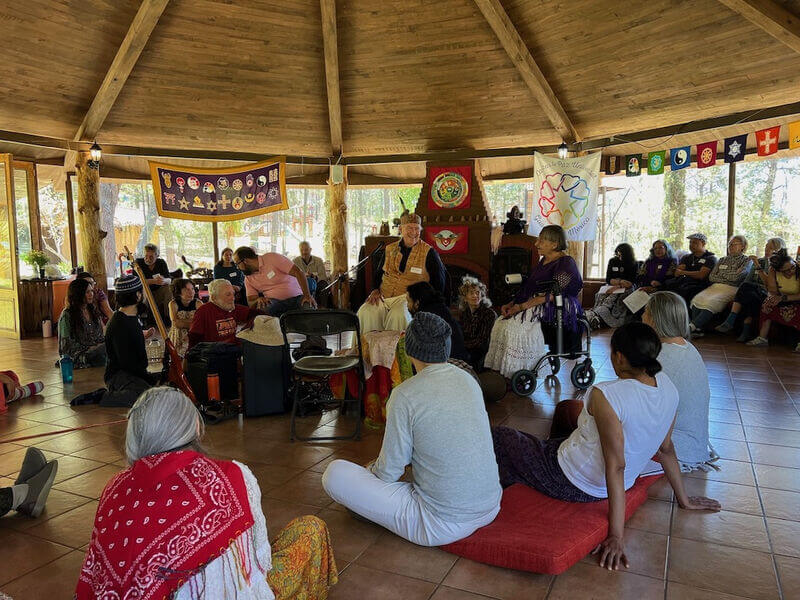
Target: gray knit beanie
428,338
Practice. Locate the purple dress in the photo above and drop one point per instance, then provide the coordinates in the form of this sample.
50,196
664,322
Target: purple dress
565,271
656,269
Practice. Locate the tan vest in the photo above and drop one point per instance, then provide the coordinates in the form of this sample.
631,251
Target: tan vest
394,282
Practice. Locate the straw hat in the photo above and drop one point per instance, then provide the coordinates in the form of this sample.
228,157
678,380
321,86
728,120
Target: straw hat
266,331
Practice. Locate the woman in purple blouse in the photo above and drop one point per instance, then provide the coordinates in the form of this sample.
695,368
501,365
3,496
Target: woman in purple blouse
657,268
528,323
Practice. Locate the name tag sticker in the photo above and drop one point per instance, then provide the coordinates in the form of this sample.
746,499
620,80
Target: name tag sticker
232,274
721,267
416,270
271,274
702,261
615,268
659,267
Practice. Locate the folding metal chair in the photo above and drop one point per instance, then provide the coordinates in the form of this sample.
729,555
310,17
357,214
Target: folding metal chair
324,323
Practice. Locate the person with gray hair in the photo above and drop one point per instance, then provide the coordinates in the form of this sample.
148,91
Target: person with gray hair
157,276
681,362
436,422
217,321
179,523
751,294
726,277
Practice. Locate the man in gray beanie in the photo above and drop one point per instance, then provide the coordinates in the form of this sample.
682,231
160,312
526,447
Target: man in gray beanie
437,423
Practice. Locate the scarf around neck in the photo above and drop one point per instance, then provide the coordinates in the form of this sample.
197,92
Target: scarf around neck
160,522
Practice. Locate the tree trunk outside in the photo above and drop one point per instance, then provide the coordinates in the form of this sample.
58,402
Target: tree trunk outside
674,215
109,197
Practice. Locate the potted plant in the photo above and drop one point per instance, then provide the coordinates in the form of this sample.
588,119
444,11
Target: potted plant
37,259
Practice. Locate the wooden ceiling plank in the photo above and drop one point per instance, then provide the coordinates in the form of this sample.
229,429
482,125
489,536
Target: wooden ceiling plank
518,52
771,17
331,51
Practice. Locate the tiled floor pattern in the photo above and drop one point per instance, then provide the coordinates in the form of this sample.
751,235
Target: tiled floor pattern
749,550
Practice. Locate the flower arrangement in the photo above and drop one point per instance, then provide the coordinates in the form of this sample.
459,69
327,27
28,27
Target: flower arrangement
36,258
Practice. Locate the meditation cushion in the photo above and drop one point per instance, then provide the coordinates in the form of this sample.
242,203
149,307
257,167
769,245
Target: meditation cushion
533,532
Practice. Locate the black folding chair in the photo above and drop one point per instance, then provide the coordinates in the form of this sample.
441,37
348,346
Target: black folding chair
324,323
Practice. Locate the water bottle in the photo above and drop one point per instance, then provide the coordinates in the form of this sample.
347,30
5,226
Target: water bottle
66,369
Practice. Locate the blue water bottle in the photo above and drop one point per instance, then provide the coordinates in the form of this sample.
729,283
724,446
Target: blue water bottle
66,369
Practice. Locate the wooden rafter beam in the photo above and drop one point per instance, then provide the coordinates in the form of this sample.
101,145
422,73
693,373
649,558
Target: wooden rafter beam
128,53
532,75
331,47
771,17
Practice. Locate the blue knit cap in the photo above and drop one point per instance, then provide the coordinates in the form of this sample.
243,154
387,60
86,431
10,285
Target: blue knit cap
428,338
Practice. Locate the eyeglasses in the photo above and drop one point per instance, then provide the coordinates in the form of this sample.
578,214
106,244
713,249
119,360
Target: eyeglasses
238,262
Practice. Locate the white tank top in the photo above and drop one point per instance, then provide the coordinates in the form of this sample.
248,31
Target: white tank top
646,414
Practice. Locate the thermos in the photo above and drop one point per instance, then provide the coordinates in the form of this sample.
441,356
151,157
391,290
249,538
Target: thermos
212,382
66,369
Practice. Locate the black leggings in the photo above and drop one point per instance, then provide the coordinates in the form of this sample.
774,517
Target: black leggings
6,500
751,296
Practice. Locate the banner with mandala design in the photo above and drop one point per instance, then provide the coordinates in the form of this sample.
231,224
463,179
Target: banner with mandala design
566,192
450,239
706,154
221,194
450,187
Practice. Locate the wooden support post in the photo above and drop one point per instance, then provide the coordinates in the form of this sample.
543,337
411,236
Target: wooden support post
337,219
731,198
215,235
89,218
576,250
73,242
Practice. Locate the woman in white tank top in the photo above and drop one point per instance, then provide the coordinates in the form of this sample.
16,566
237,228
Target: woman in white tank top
622,424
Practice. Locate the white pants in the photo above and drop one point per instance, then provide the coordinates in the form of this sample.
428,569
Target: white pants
395,506
389,315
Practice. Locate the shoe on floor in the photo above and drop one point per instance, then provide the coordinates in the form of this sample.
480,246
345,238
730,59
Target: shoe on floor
744,337
724,327
697,334
33,462
758,342
38,489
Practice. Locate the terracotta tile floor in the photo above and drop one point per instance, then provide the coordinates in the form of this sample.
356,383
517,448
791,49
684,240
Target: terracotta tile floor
749,550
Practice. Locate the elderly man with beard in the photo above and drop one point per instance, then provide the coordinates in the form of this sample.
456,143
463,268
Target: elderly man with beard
406,261
217,320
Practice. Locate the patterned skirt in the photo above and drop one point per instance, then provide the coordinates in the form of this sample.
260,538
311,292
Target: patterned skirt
303,567
785,313
516,343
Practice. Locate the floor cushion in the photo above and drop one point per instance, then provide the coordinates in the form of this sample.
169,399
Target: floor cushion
534,532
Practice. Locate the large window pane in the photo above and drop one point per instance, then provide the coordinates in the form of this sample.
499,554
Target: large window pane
500,197
23,216
367,208
6,270
639,210
767,194
55,224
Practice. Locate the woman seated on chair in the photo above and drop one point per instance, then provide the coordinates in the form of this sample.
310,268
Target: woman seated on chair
181,312
80,330
528,323
666,313
783,302
476,319
658,267
726,277
609,309
600,453
218,547
423,298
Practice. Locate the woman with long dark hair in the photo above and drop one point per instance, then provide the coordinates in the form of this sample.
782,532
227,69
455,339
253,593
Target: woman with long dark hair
600,453
80,330
609,309
181,312
227,270
423,298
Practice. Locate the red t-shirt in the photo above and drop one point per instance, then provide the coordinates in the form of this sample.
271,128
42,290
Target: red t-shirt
214,324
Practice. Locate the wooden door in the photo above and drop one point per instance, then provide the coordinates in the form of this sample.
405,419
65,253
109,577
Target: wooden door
9,286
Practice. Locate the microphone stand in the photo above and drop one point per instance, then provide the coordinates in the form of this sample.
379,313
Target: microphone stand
345,277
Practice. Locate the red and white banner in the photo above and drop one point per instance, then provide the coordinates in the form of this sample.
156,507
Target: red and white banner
767,140
448,239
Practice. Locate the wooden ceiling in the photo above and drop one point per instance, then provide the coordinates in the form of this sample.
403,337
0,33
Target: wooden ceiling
412,76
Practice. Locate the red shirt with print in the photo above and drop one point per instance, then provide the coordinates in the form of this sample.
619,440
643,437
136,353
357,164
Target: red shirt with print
214,324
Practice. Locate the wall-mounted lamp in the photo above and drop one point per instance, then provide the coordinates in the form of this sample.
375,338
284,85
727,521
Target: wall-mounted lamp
563,150
95,152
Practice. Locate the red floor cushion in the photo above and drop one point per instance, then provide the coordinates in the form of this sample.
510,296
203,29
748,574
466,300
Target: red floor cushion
534,532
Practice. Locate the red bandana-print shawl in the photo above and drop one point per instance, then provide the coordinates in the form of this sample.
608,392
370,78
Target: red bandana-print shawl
159,522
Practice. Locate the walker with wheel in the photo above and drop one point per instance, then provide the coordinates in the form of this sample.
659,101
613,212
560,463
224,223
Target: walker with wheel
523,382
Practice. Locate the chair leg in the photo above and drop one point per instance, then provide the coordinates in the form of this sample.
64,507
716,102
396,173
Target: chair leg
292,433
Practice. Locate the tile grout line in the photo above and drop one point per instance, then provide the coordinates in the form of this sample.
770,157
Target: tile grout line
775,572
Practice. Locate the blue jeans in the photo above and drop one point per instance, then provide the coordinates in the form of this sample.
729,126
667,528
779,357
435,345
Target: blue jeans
277,307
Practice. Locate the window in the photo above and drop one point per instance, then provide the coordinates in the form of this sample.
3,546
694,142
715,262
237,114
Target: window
500,197
768,202
55,225
639,210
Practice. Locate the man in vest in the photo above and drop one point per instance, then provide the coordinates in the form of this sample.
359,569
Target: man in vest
405,261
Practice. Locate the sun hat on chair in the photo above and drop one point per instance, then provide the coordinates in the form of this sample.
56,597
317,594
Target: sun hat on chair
428,338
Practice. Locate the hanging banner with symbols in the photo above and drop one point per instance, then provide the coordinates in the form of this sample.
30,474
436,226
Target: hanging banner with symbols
219,194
